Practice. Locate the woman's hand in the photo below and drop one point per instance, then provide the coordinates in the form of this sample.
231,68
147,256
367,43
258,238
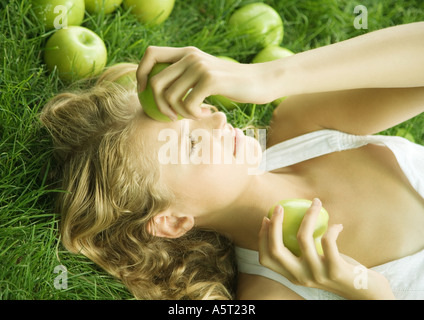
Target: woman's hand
330,271
200,73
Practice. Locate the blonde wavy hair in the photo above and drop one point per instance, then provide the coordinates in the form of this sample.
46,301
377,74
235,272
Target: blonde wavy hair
110,192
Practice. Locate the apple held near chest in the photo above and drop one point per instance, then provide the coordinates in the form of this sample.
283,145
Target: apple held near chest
294,211
76,52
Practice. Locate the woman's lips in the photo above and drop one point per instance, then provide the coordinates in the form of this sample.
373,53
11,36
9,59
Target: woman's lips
237,135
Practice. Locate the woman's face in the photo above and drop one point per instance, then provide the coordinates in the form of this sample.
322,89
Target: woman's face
205,162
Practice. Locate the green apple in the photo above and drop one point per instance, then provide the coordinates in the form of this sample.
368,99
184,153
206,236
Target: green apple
401,132
294,210
152,12
59,13
259,22
76,52
270,53
128,78
147,98
218,100
96,6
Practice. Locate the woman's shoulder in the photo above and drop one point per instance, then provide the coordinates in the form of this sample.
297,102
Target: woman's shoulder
287,123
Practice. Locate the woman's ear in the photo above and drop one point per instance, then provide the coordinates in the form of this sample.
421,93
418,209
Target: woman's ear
168,225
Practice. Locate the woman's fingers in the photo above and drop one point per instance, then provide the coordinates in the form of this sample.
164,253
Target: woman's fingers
196,97
155,55
276,231
272,252
305,237
329,245
181,87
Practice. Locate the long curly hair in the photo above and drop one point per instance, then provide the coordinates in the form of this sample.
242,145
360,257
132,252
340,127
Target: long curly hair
111,190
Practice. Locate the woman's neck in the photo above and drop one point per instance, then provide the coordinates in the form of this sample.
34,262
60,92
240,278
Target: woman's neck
242,221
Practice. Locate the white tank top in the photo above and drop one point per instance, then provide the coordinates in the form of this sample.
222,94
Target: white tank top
406,275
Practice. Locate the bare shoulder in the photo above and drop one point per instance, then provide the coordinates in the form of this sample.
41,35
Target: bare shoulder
291,119
255,287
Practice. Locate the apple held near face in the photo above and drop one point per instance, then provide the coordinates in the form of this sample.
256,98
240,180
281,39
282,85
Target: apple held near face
259,22
218,100
152,12
122,73
128,80
76,52
147,98
59,13
294,210
96,6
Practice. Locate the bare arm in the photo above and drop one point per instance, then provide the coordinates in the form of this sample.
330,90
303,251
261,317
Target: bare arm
357,111
387,58
362,86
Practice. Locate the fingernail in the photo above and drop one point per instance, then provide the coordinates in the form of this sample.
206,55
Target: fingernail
279,209
316,202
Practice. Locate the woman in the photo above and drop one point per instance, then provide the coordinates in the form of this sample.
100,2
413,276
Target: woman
146,220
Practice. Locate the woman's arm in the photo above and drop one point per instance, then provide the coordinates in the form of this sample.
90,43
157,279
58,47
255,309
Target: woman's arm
391,57
387,58
357,111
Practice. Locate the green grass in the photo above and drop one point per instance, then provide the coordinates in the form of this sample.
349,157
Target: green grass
29,246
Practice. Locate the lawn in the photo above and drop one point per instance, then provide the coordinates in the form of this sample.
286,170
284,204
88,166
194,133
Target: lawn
30,253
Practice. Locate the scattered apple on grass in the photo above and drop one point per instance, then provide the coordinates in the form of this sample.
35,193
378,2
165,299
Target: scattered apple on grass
272,52
76,52
218,100
294,210
48,11
152,12
259,22
96,6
